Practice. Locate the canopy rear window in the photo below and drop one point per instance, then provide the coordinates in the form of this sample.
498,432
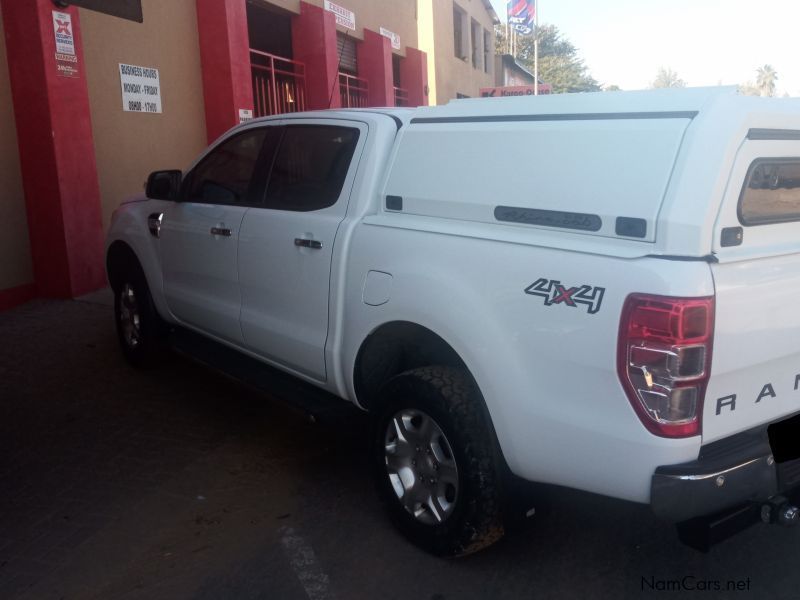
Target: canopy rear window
771,192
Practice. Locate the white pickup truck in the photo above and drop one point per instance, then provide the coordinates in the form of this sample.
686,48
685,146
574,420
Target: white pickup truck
597,291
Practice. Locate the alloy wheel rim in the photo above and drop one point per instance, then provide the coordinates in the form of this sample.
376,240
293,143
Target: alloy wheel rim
421,466
129,316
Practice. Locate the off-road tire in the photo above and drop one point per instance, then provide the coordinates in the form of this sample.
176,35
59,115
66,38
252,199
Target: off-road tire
450,397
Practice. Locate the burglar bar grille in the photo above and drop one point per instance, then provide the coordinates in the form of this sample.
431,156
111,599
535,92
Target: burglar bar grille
279,84
400,97
353,91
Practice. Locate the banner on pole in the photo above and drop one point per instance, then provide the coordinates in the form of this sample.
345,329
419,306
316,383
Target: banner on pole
521,15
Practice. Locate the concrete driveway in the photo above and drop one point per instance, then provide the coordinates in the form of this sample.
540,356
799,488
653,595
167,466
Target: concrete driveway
178,483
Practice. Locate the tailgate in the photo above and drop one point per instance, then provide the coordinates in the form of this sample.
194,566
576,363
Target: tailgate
755,372
756,361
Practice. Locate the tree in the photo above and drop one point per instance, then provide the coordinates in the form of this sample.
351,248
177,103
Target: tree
765,80
612,88
764,85
559,63
667,78
749,89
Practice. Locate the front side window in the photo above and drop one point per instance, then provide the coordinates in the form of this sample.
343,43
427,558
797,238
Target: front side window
225,174
771,192
310,167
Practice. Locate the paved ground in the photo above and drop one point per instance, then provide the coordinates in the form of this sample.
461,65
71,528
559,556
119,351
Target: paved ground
177,483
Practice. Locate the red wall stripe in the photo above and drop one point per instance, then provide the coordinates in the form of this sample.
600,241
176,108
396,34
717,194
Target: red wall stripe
59,172
225,57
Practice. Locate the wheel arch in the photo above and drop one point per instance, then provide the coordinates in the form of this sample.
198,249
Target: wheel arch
119,257
399,346
393,348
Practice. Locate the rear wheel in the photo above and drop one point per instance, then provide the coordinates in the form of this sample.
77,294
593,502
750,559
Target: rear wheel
435,463
140,330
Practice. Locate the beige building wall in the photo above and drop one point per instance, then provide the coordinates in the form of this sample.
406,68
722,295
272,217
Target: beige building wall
398,16
15,255
455,74
130,145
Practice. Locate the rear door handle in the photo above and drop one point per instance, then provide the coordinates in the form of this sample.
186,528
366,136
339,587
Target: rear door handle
314,244
223,231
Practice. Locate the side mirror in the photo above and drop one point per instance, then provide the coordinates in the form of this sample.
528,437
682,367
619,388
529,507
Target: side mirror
164,185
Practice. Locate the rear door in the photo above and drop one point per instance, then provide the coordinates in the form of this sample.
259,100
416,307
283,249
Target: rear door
755,373
286,245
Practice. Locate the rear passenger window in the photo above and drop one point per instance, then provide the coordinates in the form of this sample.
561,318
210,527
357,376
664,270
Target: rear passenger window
224,176
310,167
771,192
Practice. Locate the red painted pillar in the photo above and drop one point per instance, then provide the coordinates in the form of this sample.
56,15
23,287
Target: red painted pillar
375,65
54,131
225,58
314,44
414,76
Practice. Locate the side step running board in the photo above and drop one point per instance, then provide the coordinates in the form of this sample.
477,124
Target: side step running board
314,403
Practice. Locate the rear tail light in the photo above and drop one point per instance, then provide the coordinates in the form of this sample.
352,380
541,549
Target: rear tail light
664,360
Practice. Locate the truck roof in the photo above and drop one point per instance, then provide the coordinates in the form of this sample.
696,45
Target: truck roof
605,104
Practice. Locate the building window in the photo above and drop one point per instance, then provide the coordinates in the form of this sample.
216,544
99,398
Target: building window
477,41
346,49
396,70
460,32
487,51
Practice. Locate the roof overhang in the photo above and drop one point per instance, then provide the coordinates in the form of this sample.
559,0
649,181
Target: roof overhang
491,11
124,9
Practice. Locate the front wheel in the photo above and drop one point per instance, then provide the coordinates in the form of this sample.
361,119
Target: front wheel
139,328
435,462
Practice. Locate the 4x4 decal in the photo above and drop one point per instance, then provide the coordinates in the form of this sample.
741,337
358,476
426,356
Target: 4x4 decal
554,293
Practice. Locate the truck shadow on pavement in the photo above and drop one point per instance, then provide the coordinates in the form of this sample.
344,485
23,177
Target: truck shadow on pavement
178,483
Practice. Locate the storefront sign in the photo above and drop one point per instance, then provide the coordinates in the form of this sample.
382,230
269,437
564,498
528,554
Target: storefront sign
345,18
392,36
66,59
514,90
141,89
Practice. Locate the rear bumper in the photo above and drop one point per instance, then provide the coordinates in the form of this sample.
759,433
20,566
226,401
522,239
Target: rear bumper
733,472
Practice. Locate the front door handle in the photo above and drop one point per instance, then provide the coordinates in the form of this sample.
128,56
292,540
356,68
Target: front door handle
223,231
314,244
154,224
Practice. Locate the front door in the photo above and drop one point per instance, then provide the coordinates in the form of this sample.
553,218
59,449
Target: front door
200,234
286,247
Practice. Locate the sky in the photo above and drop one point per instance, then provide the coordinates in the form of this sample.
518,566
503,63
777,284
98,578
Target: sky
707,42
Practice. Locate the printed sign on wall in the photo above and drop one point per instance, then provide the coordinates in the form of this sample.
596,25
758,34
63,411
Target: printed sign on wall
141,89
66,59
62,26
392,36
344,17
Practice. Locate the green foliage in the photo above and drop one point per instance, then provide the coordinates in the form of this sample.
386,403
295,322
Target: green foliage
766,77
748,89
559,63
765,80
667,78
